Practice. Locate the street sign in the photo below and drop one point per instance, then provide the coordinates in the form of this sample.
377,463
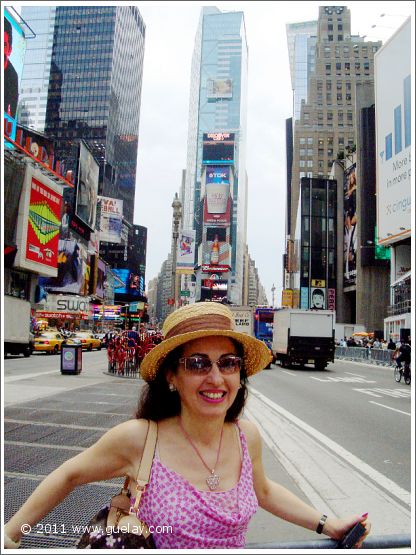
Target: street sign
185,293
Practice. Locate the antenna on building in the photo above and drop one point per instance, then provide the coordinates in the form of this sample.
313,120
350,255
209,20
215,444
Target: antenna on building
273,289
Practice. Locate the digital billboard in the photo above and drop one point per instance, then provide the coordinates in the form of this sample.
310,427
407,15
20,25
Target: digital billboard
219,88
14,54
110,219
214,290
129,283
216,201
216,248
87,187
393,102
218,148
350,226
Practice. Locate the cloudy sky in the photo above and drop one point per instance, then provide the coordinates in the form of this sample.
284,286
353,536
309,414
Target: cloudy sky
170,34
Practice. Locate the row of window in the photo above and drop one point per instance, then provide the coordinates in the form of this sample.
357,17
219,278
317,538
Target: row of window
330,141
347,67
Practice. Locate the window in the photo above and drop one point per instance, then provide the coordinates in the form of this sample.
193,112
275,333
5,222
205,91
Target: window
328,68
310,151
338,67
328,85
357,66
330,27
339,26
302,140
310,140
339,97
347,66
301,163
302,152
329,116
330,38
327,52
329,98
310,164
339,85
340,38
306,116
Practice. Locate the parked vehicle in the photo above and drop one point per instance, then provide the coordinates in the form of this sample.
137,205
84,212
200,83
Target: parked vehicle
17,336
49,342
304,337
89,342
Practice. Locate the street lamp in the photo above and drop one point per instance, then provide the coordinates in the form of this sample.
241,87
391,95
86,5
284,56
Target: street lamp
177,215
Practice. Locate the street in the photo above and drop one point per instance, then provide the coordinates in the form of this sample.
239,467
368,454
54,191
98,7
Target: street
339,439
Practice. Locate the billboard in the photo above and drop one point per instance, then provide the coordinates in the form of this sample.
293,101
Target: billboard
14,54
218,148
392,72
72,269
186,249
214,290
87,187
287,298
318,297
37,230
128,283
110,219
216,248
216,200
219,88
101,275
350,227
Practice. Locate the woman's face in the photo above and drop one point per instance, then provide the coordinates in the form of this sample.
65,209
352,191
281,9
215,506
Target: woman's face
209,394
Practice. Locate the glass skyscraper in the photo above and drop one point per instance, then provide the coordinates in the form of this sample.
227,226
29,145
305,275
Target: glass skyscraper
95,92
218,104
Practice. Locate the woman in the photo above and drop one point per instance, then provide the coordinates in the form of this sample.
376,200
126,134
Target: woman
207,477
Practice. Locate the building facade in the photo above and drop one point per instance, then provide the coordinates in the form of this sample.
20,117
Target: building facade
217,146
94,92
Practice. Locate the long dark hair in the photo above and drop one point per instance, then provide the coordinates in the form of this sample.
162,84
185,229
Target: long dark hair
157,402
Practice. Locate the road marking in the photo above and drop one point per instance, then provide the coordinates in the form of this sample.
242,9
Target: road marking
352,374
380,392
362,467
9,379
391,408
341,379
290,373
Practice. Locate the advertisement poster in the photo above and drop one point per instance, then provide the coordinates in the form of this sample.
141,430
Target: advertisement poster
393,102
350,227
318,295
218,148
87,187
43,227
72,267
101,277
216,247
219,203
331,299
287,298
111,218
128,282
219,88
304,298
186,249
14,54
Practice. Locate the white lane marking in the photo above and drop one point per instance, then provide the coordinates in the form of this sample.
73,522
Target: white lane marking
358,464
381,392
9,379
341,379
290,373
391,408
352,374
367,392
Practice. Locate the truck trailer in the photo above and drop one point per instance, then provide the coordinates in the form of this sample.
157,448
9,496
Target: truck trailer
304,337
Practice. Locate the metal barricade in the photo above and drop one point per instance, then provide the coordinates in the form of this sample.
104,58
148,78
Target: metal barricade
381,357
392,541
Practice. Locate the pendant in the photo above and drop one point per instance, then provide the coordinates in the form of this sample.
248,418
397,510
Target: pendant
213,481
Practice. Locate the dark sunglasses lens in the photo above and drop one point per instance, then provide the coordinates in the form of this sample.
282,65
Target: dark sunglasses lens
229,364
199,365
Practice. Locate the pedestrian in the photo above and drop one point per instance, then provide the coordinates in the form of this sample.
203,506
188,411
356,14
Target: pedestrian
391,345
207,477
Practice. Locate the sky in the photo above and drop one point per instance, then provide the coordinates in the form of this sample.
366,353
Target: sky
170,35
169,43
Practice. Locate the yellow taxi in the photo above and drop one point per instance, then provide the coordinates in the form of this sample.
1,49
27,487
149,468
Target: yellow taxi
89,342
48,341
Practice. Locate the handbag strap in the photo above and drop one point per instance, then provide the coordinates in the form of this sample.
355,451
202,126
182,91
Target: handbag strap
143,474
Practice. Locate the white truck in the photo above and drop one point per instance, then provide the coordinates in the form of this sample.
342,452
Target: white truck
17,336
304,337
243,318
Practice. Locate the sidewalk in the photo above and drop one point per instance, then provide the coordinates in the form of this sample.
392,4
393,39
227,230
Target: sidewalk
50,417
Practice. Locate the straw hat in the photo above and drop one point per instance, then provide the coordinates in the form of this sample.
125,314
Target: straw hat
203,320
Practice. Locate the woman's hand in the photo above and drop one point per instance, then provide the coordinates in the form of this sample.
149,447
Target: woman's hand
336,528
9,543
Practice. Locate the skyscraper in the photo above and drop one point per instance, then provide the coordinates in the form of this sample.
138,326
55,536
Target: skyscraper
37,64
217,125
95,92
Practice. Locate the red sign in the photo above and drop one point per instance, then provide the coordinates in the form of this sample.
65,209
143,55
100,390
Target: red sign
222,219
44,224
211,268
331,299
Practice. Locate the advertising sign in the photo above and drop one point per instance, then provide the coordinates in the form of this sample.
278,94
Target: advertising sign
70,304
350,227
304,298
101,277
392,72
216,200
111,218
287,298
14,54
218,148
186,249
219,88
217,174
128,283
37,230
72,267
214,290
318,297
331,299
87,187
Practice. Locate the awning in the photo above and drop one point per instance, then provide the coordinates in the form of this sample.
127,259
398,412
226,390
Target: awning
401,278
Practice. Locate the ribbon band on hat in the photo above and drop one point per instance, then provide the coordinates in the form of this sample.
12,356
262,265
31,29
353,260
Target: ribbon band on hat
207,322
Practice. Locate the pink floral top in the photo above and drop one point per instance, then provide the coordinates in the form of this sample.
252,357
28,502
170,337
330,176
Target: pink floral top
198,519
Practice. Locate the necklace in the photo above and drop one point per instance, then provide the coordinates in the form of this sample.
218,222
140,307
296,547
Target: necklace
213,479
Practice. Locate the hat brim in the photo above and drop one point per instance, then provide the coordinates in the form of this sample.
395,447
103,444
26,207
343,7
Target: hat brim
256,353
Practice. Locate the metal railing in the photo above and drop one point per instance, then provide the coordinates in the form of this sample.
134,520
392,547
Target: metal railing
392,541
399,308
381,357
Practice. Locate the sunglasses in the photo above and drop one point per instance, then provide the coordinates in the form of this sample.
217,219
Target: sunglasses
201,365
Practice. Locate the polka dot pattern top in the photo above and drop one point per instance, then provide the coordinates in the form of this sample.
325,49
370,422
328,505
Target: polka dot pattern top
198,519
